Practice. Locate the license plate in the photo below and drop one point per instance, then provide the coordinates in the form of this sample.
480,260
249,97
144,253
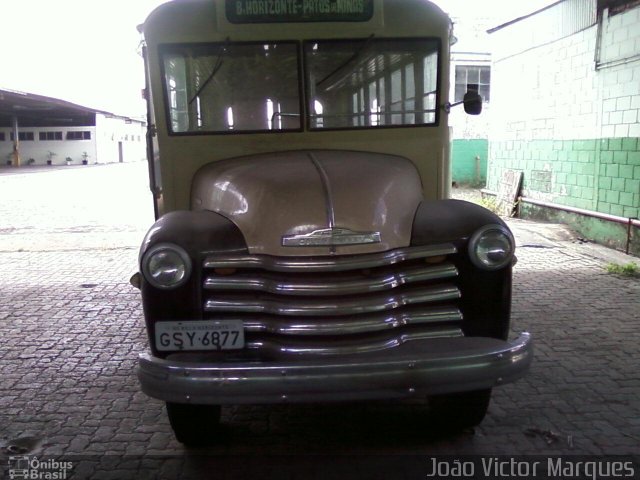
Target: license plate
200,335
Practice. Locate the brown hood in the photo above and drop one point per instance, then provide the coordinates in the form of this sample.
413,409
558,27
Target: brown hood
284,194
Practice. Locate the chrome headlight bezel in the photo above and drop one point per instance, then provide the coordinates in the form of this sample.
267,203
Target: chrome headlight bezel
184,270
480,235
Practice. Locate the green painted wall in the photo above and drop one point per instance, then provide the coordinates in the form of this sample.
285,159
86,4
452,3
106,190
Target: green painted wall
599,174
469,161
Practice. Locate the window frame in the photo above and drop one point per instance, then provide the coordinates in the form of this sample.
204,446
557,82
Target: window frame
436,40
163,49
54,134
23,136
84,134
466,66
303,87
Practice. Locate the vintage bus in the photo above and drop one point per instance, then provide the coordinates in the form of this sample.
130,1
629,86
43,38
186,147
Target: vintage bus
304,248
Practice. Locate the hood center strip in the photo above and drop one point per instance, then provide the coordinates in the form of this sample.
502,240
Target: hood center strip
326,185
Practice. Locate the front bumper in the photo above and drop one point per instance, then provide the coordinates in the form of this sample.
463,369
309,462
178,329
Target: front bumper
426,367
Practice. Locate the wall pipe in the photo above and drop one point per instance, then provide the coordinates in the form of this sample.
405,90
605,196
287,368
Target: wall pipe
629,222
588,213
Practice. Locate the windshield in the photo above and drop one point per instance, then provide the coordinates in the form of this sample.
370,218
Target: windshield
372,82
255,87
232,87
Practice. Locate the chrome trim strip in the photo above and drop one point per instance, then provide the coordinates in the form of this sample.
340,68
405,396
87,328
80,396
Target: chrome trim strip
346,347
335,285
331,237
416,369
326,186
349,326
329,264
332,306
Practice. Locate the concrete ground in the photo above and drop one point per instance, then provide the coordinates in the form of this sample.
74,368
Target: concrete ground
71,328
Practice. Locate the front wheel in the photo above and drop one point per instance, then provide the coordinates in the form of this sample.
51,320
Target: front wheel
458,411
194,425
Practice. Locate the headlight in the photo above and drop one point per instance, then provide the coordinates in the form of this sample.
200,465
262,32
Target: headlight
491,247
166,266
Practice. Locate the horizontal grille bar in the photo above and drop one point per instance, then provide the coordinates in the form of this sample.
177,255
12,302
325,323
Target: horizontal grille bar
335,305
346,347
336,263
328,285
387,321
331,305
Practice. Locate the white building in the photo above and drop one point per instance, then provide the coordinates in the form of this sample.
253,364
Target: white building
56,132
566,113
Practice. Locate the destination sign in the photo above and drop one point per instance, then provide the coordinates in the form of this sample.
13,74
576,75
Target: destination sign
285,11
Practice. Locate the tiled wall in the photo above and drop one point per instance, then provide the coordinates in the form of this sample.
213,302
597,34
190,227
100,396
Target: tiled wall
469,164
568,117
593,174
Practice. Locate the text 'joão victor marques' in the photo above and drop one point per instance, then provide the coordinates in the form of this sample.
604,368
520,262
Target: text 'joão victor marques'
504,467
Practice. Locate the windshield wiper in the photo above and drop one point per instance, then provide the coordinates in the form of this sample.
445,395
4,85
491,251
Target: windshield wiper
348,62
216,67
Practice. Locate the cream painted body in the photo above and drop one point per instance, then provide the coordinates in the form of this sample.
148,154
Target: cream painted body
201,21
398,312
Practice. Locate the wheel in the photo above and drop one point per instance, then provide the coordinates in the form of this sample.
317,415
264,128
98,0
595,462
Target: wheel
194,425
458,411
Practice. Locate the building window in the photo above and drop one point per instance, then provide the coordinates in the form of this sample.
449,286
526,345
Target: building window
467,75
50,136
23,136
86,135
2,137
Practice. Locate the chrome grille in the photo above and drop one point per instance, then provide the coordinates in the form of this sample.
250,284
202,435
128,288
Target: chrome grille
335,305
336,284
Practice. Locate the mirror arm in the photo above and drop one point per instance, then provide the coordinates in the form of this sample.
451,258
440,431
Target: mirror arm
447,106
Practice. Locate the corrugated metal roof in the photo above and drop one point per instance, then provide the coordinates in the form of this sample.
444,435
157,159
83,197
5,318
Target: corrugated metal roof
39,110
549,24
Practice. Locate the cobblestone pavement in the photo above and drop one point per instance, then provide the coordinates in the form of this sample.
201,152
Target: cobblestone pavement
71,327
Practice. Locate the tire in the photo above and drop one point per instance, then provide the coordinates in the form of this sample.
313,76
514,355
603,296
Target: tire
194,425
459,411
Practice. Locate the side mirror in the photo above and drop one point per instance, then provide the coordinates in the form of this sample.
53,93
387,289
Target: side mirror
472,102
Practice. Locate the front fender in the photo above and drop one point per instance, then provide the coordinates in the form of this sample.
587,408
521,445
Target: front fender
442,221
198,233
486,295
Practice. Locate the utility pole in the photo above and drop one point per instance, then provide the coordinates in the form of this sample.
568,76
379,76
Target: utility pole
16,144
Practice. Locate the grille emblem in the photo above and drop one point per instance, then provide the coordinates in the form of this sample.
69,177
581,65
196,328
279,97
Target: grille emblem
330,237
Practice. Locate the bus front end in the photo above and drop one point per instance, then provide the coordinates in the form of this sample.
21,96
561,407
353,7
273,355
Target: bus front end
304,250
